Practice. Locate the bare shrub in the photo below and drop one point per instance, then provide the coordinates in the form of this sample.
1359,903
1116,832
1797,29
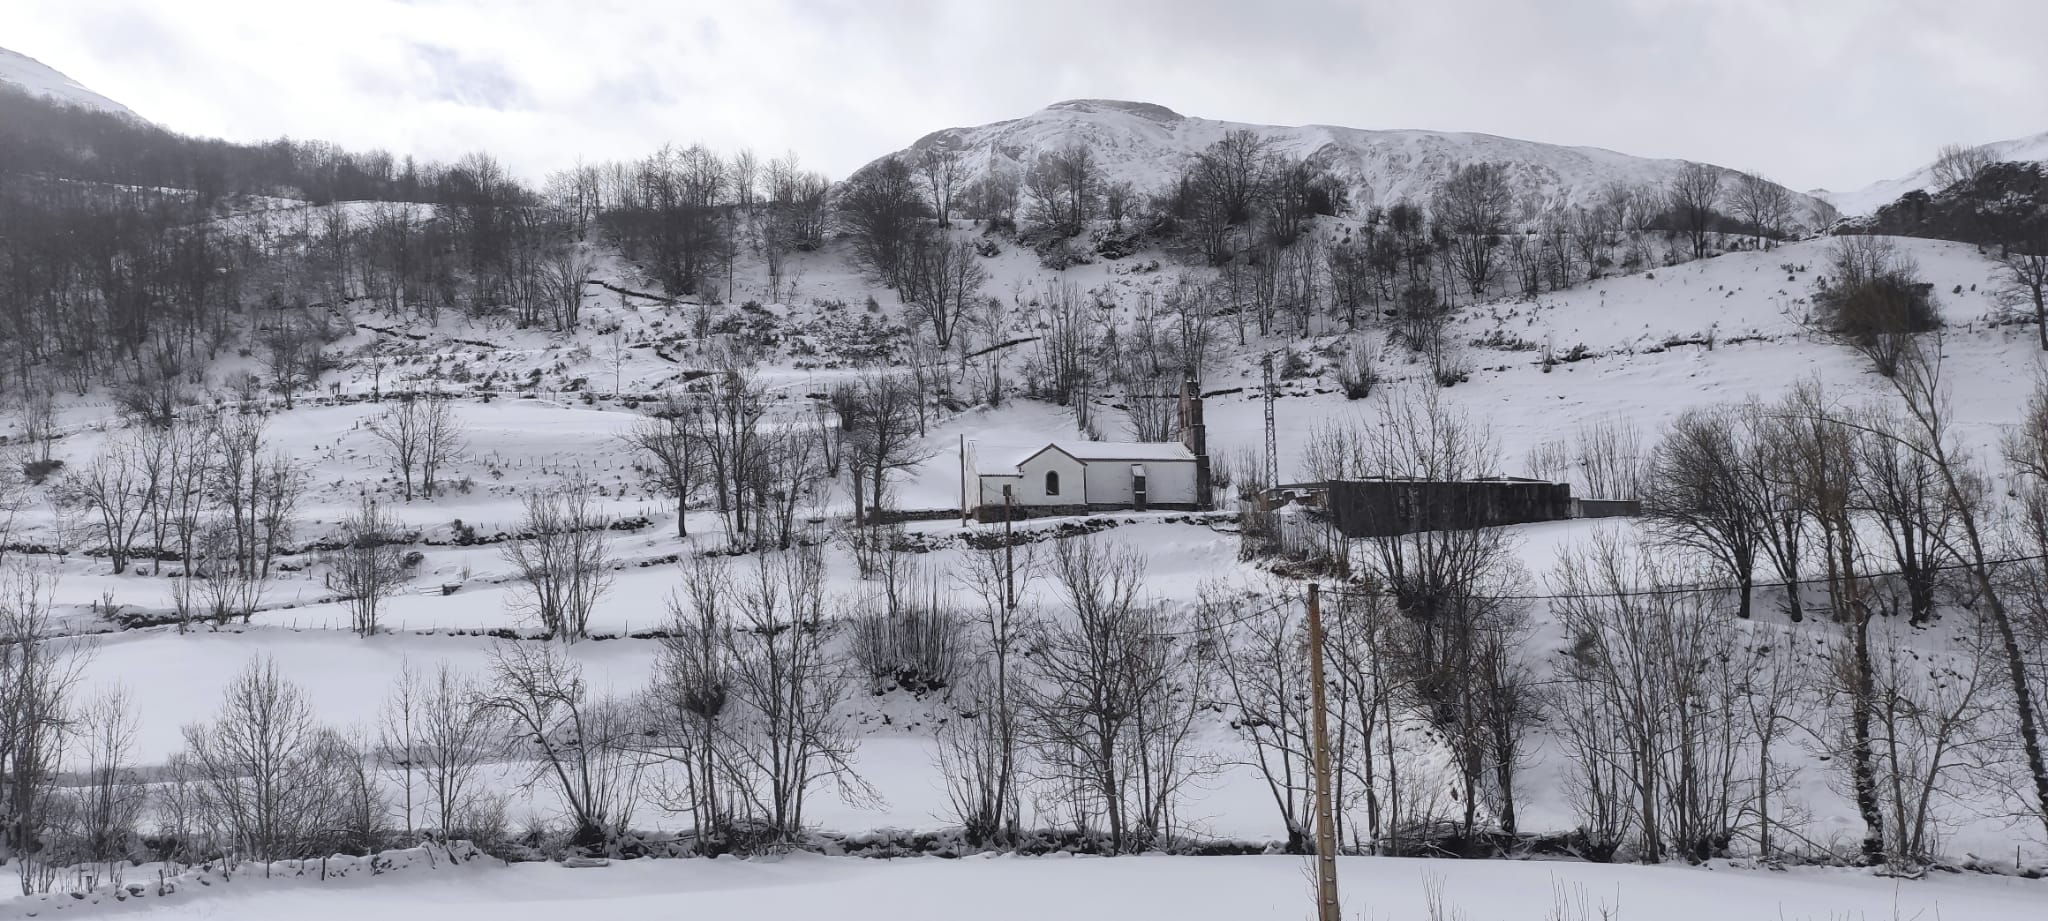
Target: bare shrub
1359,371
1875,301
918,647
1610,459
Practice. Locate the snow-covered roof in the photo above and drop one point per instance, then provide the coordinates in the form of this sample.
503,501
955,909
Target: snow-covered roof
1138,451
1004,460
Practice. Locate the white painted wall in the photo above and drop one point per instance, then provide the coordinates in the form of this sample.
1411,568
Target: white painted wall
1111,483
1073,476
992,487
1092,483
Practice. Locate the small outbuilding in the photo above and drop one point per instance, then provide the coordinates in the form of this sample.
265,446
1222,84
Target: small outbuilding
1076,477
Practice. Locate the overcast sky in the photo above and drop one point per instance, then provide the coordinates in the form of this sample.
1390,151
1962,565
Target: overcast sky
1813,93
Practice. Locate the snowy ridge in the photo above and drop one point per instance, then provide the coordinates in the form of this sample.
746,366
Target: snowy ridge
27,73
1146,144
1876,195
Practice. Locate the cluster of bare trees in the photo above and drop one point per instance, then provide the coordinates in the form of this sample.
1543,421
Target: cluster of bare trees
746,701
1443,629
42,827
1880,511
1239,197
562,559
1674,713
898,214
761,467
421,435
1656,708
212,495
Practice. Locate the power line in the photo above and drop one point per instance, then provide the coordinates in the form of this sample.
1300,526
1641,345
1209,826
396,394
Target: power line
1694,589
1246,618
1285,600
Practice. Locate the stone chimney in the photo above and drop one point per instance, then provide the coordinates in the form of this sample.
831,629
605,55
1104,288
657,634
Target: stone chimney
1194,435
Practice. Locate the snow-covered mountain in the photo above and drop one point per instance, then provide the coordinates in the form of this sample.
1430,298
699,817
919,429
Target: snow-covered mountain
27,73
1146,145
1883,192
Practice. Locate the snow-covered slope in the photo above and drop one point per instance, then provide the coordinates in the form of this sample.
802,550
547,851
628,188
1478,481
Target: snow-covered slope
1876,195
1146,145
27,73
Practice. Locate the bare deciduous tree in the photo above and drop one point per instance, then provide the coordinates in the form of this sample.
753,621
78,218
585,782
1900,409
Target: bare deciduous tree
883,211
692,695
942,168
369,565
1111,711
1762,204
562,558
1700,499
2023,277
942,281
1474,206
978,752
788,687
1956,164
1875,301
117,488
1692,195
38,672
881,436
262,767
663,445
1263,686
580,744
564,275
421,435
107,805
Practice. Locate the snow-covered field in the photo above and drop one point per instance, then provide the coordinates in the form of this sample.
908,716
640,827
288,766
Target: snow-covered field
1715,331
1031,889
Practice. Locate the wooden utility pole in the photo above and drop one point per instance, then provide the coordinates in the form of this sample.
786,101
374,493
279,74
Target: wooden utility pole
1326,820
1009,551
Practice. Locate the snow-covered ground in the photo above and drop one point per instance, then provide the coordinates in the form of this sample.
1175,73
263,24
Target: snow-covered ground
1142,143
1656,344
1866,200
33,76
1032,889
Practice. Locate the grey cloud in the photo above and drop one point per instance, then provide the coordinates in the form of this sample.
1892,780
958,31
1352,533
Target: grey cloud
467,81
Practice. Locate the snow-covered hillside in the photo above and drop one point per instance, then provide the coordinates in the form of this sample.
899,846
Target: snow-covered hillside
27,73
1883,192
1146,144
